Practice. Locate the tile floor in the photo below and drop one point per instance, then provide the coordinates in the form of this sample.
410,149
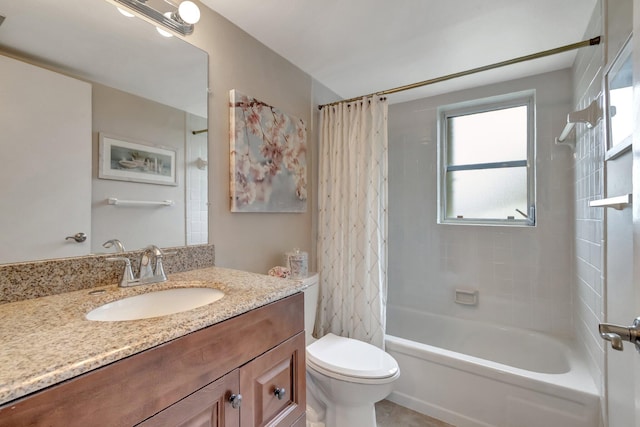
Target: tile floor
388,414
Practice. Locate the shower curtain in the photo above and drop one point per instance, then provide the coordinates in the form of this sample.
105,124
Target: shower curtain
352,221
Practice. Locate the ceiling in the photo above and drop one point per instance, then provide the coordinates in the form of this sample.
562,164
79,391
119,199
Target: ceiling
358,47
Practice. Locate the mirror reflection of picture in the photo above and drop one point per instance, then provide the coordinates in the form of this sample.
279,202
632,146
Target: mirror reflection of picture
137,162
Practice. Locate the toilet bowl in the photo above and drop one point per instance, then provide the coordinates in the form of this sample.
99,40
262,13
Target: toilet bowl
345,376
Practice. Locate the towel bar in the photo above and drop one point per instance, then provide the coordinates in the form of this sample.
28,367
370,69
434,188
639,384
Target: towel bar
618,202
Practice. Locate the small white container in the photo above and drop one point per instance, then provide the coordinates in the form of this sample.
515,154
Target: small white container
298,262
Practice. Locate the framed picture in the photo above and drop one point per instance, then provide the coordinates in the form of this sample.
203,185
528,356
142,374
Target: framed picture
136,161
268,163
619,102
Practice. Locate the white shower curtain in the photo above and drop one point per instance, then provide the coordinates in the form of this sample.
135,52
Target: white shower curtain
352,222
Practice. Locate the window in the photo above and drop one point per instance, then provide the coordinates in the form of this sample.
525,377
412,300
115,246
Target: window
486,161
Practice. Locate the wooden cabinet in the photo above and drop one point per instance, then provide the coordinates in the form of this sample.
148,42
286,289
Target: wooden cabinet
273,386
207,407
271,389
189,381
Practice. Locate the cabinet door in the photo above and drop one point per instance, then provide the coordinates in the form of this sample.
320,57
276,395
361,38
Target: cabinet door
273,386
208,407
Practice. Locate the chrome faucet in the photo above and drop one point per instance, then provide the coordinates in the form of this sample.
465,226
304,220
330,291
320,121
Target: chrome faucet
152,273
151,268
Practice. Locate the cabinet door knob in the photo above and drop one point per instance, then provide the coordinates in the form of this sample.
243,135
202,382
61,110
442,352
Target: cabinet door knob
280,393
236,400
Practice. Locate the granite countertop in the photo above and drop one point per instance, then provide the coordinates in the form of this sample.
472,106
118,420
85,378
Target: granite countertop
48,340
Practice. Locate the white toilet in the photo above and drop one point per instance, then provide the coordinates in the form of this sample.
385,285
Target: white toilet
345,377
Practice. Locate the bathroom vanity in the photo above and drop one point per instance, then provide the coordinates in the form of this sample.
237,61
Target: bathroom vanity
245,368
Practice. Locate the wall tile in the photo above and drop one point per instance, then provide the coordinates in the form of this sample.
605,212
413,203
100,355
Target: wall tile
511,267
588,223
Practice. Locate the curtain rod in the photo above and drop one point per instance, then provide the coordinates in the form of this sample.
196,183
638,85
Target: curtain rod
591,42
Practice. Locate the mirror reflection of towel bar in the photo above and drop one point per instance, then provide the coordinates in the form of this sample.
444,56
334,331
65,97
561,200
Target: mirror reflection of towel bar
618,202
119,202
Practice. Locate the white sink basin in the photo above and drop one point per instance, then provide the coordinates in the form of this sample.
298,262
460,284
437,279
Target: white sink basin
154,304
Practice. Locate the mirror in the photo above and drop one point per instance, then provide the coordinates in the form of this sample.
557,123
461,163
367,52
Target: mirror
75,71
619,101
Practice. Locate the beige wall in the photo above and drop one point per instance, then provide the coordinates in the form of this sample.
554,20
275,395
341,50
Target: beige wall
250,241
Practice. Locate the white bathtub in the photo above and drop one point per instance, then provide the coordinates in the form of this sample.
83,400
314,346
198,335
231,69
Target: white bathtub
474,374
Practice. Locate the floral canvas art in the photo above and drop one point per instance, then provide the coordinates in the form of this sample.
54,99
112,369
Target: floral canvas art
268,158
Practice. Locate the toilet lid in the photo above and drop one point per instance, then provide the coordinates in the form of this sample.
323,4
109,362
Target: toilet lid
350,357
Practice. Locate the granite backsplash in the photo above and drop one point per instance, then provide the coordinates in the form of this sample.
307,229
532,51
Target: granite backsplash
36,279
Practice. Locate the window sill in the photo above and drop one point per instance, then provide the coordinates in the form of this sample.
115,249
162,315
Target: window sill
489,223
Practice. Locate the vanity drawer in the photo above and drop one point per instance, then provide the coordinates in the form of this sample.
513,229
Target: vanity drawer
273,386
210,406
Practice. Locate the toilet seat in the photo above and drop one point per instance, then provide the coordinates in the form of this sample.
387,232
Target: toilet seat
351,360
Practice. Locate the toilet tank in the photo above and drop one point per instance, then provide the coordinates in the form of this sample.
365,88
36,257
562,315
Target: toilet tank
310,305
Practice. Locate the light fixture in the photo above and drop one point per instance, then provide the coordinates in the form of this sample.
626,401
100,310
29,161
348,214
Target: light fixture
165,33
126,13
188,12
181,21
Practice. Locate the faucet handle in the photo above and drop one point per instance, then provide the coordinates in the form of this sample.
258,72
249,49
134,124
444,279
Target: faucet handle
146,269
127,274
159,273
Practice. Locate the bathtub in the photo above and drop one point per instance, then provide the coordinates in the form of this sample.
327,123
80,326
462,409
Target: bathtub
473,374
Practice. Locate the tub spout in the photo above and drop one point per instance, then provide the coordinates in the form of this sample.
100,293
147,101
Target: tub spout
615,334
614,339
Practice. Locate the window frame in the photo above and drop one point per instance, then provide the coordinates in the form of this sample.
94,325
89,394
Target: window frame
483,105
